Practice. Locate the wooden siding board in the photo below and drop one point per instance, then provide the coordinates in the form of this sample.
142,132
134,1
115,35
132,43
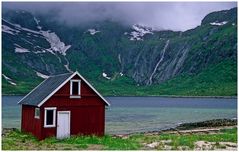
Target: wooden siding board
29,123
91,118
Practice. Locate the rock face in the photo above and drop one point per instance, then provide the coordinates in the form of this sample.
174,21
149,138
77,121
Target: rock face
148,57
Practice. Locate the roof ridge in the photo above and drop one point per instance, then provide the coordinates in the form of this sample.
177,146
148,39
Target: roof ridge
61,74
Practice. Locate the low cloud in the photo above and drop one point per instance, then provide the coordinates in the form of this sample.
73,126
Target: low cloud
160,15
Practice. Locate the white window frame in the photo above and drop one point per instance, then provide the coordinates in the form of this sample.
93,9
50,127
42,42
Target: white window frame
79,89
35,116
54,117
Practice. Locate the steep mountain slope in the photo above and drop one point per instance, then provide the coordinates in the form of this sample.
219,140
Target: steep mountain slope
119,59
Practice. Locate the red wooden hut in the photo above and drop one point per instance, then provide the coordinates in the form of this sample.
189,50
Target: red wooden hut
63,105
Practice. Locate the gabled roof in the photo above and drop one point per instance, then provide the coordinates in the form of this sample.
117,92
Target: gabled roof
49,87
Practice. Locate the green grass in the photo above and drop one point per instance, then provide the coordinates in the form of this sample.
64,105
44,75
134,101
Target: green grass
20,88
108,142
15,140
227,135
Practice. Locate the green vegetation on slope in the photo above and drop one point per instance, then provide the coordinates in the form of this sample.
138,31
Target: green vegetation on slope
20,89
15,140
216,80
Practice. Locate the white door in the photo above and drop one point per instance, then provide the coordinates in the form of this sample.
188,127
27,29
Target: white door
63,124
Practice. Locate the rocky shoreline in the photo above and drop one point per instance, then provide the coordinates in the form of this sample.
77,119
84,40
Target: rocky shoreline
204,126
207,124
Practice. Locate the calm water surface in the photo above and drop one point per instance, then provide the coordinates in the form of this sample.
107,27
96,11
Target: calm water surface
139,114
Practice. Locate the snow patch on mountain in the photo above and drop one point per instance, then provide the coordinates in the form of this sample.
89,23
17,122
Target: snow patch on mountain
28,30
21,50
39,27
37,22
12,83
105,76
67,65
119,58
219,23
5,77
138,32
9,30
67,68
9,80
55,42
27,41
93,31
17,45
17,26
42,75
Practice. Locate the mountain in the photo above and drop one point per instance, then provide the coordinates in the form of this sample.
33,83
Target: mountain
119,59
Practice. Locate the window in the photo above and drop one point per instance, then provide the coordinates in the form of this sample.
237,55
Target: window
37,113
50,117
75,88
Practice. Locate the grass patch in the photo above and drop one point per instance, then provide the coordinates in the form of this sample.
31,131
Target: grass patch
108,142
226,135
16,140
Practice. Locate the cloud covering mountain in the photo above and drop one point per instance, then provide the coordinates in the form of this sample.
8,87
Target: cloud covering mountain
159,15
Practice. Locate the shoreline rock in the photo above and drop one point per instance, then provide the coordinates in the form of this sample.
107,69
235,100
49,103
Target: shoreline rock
202,126
208,124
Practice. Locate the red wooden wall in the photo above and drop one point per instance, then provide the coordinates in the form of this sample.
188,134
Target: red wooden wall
87,112
29,123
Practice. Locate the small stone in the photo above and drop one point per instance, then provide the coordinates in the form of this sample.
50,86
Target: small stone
202,145
167,147
183,148
166,141
153,144
228,144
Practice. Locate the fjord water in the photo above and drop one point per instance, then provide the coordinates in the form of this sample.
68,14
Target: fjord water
140,114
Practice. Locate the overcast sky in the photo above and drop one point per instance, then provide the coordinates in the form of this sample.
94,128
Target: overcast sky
160,15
